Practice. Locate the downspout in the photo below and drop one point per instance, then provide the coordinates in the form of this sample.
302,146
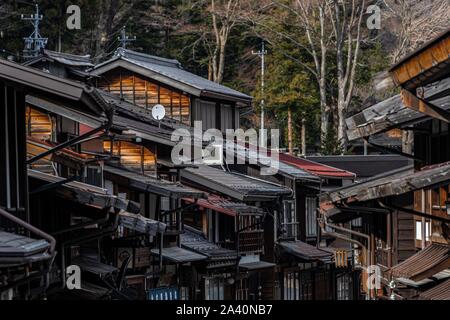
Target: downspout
324,223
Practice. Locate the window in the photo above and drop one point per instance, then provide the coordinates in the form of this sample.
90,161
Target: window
289,223
214,289
419,231
184,293
39,125
132,156
311,216
291,286
242,289
297,285
344,286
143,93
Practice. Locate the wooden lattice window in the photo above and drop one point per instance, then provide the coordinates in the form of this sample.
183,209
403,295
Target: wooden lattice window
132,156
146,94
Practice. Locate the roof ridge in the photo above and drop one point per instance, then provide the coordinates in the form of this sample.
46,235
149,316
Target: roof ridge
121,52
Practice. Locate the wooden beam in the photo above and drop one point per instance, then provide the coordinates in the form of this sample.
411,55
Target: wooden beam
417,104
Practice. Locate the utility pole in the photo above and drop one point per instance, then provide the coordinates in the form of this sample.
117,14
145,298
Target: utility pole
124,39
35,42
262,54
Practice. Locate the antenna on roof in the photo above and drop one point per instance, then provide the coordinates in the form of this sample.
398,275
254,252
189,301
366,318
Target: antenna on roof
35,42
124,39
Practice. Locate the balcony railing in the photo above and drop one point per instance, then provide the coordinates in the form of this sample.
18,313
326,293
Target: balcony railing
168,293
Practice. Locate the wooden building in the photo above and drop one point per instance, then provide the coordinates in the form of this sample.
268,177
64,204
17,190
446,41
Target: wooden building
146,80
403,214
141,227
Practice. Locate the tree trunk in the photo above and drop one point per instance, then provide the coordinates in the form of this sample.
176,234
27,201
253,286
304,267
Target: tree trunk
290,144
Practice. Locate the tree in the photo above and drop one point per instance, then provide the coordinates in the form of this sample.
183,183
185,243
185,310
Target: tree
292,97
217,19
330,33
415,23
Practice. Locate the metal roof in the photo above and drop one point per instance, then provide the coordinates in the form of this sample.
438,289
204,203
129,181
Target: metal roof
424,264
365,166
195,241
179,255
16,249
225,206
305,251
141,224
264,160
67,59
234,185
41,82
85,193
316,168
396,182
152,184
250,266
391,113
171,73
438,292
92,265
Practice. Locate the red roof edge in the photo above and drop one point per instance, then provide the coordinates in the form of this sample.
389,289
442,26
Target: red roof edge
316,168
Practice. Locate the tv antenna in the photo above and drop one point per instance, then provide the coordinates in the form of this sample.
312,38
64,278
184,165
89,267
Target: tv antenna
124,39
35,42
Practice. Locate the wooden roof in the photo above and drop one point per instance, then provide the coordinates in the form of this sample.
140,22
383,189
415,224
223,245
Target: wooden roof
427,64
234,185
391,113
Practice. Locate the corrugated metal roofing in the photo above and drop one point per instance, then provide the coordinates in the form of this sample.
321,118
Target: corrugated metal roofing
305,251
439,292
225,206
179,255
235,185
396,182
198,243
424,264
157,186
264,160
259,265
171,69
316,168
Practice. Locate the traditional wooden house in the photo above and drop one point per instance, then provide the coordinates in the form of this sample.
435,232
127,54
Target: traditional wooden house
240,216
400,219
146,80
63,65
222,242
74,207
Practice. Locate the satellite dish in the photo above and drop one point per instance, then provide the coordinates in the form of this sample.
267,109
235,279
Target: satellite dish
158,112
